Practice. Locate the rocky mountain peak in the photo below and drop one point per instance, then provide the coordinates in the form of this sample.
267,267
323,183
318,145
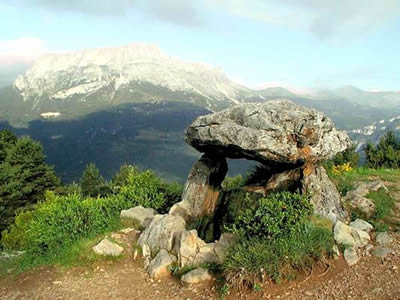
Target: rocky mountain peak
63,75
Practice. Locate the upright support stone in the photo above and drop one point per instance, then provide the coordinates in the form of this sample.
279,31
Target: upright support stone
324,195
201,190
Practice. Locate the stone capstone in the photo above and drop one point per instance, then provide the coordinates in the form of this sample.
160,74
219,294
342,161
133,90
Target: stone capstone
139,214
108,248
161,233
201,189
278,131
196,276
158,267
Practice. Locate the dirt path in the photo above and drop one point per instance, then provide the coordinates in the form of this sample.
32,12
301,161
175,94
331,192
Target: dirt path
371,278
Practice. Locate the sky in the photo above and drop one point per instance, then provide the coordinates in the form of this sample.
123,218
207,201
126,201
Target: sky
299,44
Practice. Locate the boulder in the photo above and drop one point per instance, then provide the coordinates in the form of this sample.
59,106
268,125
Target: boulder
349,236
222,245
383,239
196,276
274,131
140,214
161,233
351,256
158,267
360,224
363,204
382,252
189,246
108,248
201,191
324,195
206,255
126,235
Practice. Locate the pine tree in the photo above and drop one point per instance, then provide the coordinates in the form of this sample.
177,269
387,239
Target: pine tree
24,175
92,183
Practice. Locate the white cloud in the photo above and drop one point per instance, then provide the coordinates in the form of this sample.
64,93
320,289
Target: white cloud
182,12
21,51
322,18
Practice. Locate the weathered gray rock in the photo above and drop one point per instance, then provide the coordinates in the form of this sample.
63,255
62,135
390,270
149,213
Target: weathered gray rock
158,267
108,248
351,255
162,233
324,195
360,224
365,205
126,235
382,252
383,239
189,246
201,190
356,199
277,131
349,236
139,214
196,276
206,255
222,246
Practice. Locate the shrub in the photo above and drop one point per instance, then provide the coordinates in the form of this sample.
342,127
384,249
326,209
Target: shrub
60,220
231,183
249,261
276,214
149,190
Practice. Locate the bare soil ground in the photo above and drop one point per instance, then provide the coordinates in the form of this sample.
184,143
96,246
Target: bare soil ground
371,278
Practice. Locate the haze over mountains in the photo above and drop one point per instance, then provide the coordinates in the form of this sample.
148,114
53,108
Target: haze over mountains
131,104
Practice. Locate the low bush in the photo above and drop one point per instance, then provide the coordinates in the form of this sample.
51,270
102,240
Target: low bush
60,220
252,260
149,190
231,183
274,215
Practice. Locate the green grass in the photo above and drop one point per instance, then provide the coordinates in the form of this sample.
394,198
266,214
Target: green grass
366,174
79,253
383,200
249,261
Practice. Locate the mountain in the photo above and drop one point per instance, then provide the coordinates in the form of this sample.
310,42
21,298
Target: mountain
131,104
133,73
374,131
355,95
